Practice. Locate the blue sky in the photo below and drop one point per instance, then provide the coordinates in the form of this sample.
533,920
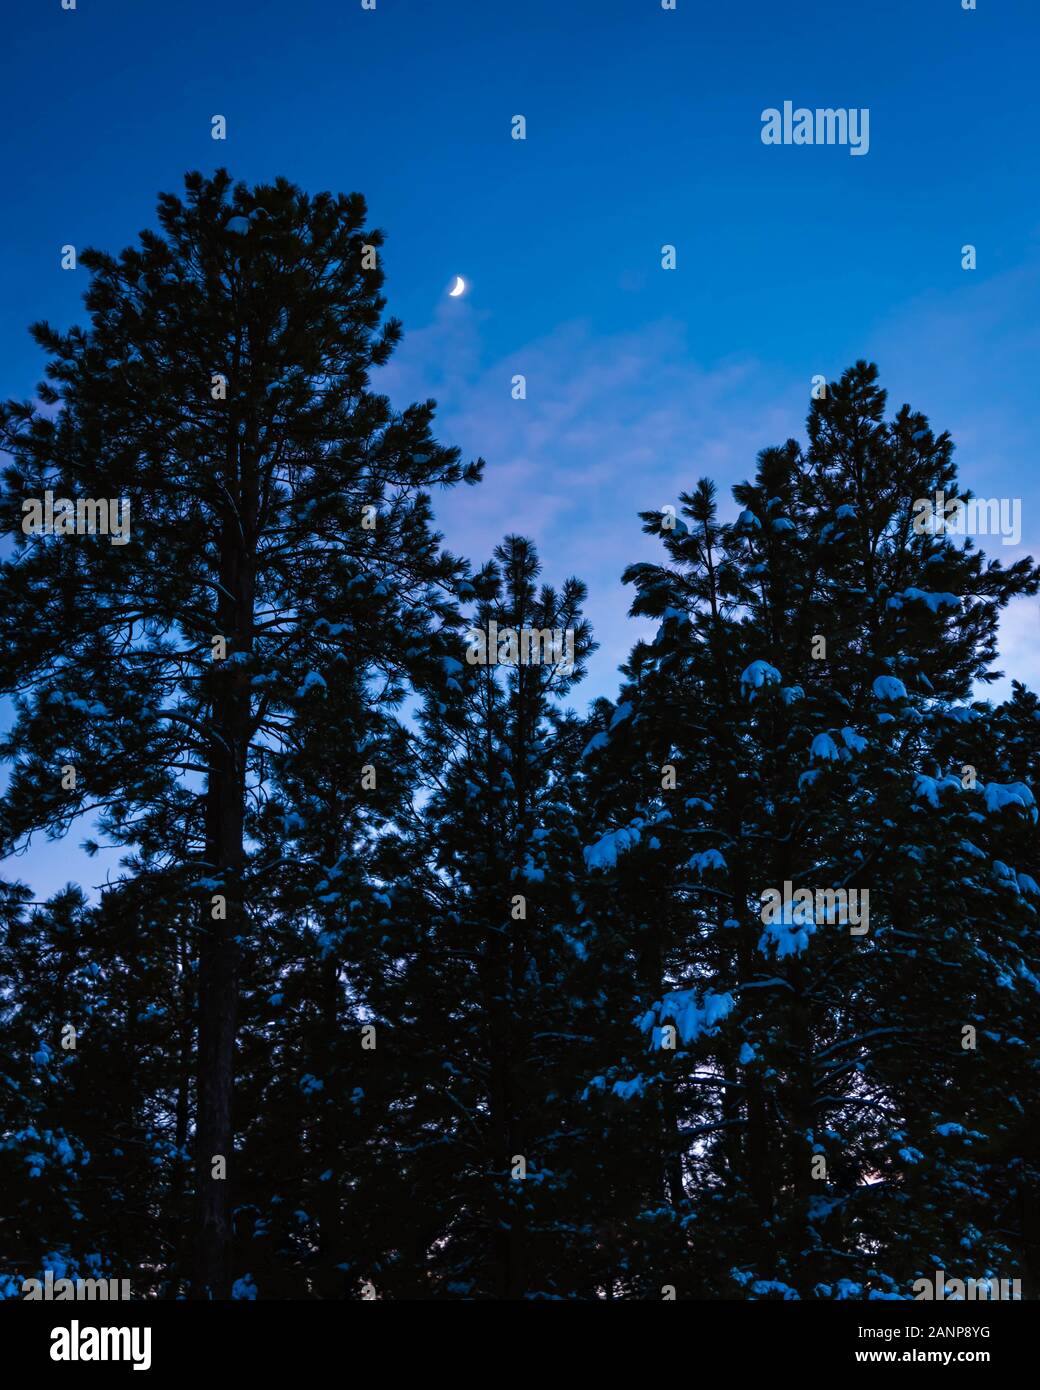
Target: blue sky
643,128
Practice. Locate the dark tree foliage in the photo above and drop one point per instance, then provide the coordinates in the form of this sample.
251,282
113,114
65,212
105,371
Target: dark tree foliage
832,1089
414,983
222,390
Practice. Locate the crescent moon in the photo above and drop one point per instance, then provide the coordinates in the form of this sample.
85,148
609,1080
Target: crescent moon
458,287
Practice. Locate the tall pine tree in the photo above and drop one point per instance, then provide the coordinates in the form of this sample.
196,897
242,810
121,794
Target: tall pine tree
221,399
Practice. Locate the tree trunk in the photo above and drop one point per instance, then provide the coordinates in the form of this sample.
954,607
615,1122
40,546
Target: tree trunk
218,955
218,991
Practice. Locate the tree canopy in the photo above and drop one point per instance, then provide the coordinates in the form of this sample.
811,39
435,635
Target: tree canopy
418,983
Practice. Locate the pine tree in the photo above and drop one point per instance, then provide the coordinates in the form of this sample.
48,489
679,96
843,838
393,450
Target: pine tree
276,509
809,685
487,989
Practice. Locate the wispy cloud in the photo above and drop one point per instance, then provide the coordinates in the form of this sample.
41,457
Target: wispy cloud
611,426
618,423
